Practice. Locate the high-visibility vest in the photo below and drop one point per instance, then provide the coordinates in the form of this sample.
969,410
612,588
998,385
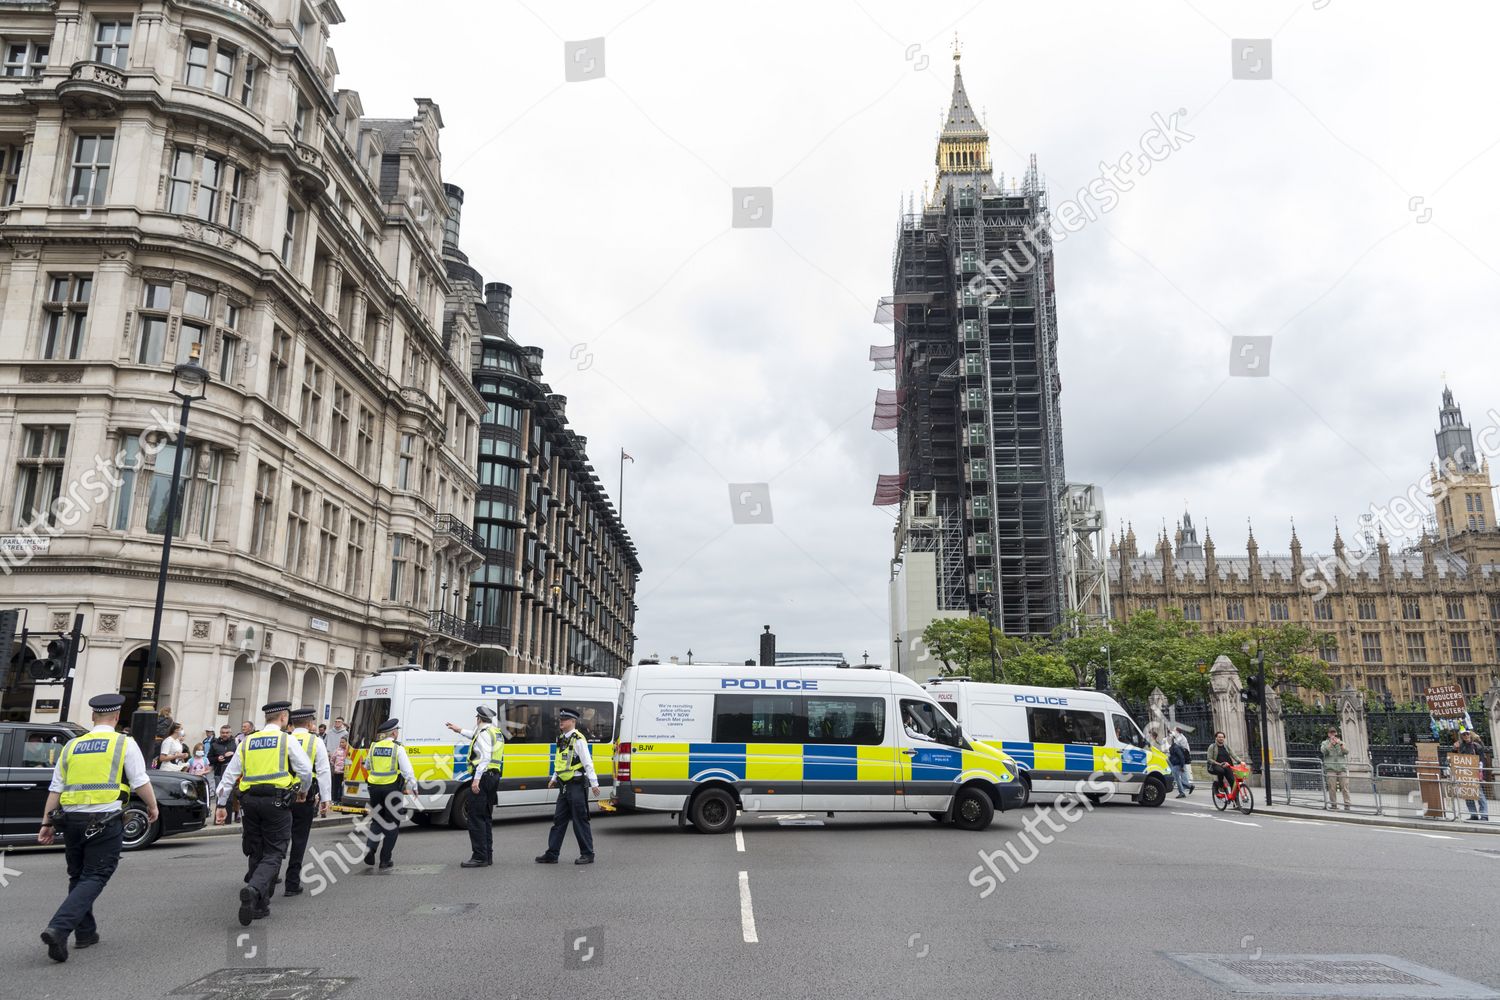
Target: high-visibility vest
497,747
305,741
265,760
566,764
382,763
93,770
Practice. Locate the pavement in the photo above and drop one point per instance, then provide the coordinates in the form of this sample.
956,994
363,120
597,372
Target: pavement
1047,902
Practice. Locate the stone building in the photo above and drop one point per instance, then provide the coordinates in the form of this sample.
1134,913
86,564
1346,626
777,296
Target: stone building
1401,619
556,590
184,181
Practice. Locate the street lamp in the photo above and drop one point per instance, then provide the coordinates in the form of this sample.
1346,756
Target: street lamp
1109,669
189,384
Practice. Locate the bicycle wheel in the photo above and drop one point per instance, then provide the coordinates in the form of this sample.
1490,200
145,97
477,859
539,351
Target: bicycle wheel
1221,800
1245,800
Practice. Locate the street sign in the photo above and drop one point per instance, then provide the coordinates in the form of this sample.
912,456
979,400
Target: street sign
1446,701
1465,769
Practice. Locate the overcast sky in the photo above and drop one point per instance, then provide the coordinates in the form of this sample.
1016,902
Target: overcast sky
719,355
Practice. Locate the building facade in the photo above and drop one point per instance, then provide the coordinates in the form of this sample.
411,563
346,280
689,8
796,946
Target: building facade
979,425
1396,622
185,182
555,592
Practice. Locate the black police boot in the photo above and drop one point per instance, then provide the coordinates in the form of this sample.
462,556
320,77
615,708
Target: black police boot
249,903
85,940
57,944
475,863
545,859
370,856
387,864
584,859
292,889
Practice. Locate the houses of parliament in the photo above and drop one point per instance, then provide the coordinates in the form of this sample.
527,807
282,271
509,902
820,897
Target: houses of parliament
1399,611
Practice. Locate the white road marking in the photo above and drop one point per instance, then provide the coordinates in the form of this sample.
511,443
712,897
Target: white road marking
739,841
1307,822
1414,833
747,911
1218,819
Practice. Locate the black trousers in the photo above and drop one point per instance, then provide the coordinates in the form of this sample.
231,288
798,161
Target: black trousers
385,820
572,807
266,835
303,814
91,862
480,816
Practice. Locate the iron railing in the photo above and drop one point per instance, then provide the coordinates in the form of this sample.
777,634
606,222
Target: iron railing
449,524
451,625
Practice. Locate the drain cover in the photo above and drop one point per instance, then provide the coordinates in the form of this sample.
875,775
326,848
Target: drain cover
442,909
264,984
1333,976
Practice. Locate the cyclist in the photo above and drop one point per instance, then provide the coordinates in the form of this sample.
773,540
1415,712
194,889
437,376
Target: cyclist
1219,758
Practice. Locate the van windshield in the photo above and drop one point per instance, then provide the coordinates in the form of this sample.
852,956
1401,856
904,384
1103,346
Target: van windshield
925,721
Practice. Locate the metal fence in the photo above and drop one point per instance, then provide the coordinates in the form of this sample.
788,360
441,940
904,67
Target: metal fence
1408,791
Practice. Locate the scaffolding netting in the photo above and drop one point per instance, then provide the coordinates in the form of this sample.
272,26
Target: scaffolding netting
884,356
888,489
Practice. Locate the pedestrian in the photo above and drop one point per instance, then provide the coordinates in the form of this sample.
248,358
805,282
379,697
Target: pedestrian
1335,754
338,764
93,775
245,730
199,764
338,732
572,768
219,752
164,723
1467,742
173,755
390,777
310,805
1180,762
1220,757
485,754
269,768
323,733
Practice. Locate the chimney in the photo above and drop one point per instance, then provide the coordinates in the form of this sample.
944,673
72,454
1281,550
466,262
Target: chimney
559,404
768,648
497,301
455,195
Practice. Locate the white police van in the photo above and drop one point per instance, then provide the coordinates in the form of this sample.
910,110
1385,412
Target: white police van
1057,736
526,707
707,741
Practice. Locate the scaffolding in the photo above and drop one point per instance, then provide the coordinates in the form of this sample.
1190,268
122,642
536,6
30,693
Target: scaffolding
1087,576
929,525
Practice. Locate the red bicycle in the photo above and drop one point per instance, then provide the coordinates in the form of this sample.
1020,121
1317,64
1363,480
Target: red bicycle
1237,792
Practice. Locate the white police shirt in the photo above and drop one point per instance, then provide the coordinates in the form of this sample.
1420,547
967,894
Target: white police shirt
321,769
296,760
135,775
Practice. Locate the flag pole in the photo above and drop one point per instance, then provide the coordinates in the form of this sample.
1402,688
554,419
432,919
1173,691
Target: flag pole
622,485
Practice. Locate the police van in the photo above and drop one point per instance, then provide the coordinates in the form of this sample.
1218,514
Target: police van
1057,736
526,707
707,742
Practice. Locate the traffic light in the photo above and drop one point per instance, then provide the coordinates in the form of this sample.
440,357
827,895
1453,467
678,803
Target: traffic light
55,666
9,619
1255,691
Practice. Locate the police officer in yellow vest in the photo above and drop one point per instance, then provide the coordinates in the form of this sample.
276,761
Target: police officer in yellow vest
572,768
314,803
94,774
390,777
485,753
271,771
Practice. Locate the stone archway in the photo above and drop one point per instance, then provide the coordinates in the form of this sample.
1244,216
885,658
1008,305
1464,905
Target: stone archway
133,674
281,683
242,692
311,695
340,696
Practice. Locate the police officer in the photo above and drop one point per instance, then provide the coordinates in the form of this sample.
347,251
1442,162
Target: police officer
485,754
389,778
572,767
94,774
270,770
315,803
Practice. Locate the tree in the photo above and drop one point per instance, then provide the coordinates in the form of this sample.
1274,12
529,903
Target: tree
1291,654
961,644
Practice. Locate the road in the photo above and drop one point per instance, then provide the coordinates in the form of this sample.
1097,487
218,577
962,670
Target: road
882,906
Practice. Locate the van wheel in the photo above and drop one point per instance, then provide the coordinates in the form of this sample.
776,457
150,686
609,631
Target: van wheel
712,811
1153,792
972,809
1026,789
458,811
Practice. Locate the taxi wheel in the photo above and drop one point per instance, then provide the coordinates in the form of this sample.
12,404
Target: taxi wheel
972,809
712,811
138,832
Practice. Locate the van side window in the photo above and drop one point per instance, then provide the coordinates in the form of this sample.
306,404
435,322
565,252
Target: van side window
923,720
849,721
1126,731
525,720
1061,725
757,718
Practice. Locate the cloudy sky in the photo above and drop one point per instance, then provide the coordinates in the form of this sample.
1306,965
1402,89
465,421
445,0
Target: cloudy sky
1343,207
